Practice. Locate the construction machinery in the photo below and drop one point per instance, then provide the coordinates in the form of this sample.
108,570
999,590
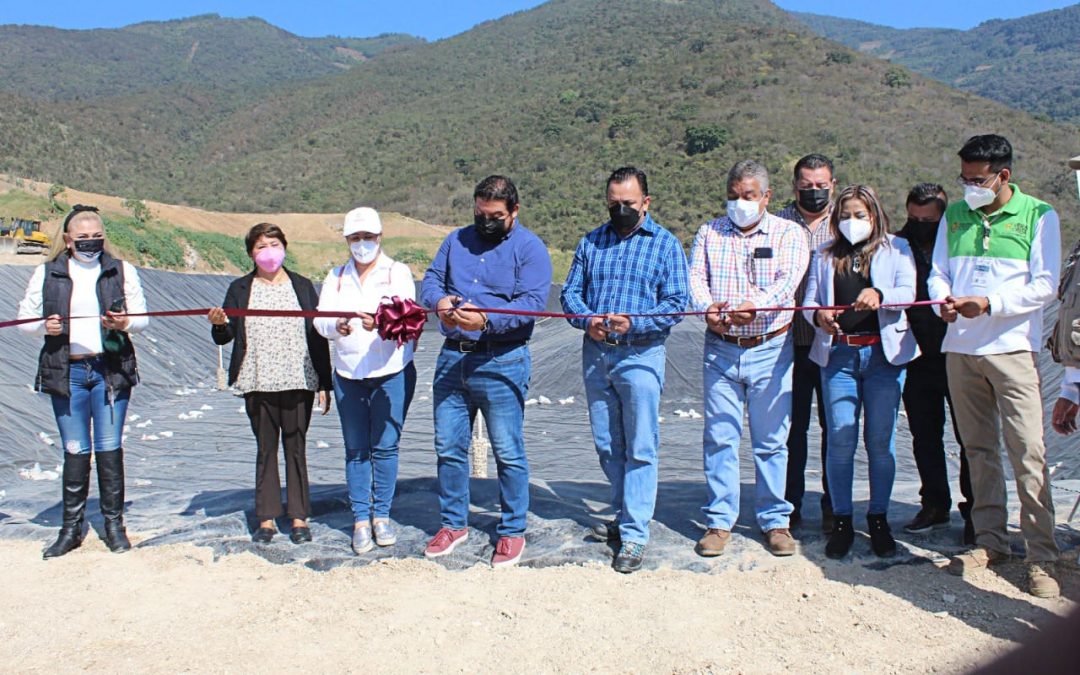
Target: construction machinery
23,236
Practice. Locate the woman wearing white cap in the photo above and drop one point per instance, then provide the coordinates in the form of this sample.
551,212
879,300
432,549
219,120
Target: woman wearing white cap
374,378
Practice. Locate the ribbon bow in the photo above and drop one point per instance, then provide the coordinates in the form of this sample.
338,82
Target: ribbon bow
400,320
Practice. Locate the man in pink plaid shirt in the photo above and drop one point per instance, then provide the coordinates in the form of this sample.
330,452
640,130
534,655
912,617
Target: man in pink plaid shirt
746,260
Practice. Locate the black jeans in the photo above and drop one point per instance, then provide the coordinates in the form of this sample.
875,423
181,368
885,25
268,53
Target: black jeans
805,383
925,393
281,416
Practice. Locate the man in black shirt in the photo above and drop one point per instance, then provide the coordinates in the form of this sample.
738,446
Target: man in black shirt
927,387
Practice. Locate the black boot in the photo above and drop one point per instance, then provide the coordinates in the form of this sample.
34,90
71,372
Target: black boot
110,471
881,539
76,485
841,539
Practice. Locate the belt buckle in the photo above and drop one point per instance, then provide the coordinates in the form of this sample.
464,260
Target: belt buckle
467,346
746,342
612,339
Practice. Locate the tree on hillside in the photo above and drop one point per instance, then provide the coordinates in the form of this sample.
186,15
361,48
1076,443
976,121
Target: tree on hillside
138,209
55,190
705,137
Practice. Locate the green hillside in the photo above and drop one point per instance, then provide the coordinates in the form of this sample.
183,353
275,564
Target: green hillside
1031,63
556,97
207,51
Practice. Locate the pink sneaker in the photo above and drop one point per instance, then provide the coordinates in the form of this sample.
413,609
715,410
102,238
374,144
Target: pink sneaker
508,551
445,541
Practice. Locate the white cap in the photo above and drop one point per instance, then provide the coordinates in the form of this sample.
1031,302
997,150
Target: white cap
363,219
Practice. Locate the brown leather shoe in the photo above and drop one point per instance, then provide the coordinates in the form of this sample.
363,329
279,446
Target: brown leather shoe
780,541
713,543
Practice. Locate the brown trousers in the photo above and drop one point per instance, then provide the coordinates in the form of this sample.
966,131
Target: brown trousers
999,393
281,416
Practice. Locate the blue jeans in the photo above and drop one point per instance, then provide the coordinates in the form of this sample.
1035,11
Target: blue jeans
89,402
737,379
372,413
857,378
623,386
495,383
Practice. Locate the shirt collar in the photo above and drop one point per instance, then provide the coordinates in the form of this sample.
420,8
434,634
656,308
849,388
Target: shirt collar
763,225
647,226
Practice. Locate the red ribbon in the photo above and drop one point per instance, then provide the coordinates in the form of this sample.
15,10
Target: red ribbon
409,314
400,320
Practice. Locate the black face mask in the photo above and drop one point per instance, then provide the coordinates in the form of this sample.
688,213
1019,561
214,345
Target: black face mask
89,249
921,231
624,218
814,200
493,229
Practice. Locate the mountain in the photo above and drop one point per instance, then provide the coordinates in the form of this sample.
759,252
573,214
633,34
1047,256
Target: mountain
1031,63
211,51
556,97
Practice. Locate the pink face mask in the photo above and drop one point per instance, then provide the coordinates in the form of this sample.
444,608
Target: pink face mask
270,259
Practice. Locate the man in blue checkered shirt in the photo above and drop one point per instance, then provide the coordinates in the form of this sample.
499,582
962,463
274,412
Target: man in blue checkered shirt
628,273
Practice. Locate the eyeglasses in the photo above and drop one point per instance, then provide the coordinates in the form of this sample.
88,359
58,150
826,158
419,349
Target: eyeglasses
974,182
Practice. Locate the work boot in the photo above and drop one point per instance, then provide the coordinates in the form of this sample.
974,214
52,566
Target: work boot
1040,582
841,539
928,518
110,471
76,485
780,541
975,560
881,539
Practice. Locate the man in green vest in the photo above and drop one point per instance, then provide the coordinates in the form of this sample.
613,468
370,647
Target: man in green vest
996,264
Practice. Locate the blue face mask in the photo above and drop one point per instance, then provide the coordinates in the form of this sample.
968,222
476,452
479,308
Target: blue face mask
89,250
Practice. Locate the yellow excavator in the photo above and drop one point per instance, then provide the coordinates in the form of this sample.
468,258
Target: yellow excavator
23,236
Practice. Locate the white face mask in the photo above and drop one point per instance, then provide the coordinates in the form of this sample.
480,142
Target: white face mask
856,230
978,196
364,251
743,212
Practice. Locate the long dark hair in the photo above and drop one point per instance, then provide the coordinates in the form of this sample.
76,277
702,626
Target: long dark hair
843,251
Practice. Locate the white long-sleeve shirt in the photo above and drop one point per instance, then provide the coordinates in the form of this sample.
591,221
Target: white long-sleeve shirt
1070,385
1018,274
364,354
85,333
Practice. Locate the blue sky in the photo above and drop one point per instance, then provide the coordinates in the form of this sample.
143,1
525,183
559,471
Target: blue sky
434,19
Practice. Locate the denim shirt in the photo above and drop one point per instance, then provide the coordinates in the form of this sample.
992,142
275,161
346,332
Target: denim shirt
513,273
644,273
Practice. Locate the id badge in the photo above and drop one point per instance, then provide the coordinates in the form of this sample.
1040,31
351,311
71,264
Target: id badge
980,279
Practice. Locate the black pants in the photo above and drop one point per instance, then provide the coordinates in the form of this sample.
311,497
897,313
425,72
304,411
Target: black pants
284,416
805,382
925,393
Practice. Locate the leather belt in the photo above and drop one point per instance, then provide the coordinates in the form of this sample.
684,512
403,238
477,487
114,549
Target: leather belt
857,340
469,346
629,340
748,341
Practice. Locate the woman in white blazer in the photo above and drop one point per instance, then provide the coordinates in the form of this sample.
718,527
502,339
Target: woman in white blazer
862,352
374,379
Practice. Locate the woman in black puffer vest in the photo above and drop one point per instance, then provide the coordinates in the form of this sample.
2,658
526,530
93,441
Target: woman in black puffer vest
87,366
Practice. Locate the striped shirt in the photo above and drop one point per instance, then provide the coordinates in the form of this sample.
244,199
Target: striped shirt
644,273
763,267
803,331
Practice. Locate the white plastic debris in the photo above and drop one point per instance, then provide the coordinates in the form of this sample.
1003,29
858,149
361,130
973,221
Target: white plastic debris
566,401
322,444
133,418
543,400
693,414
45,438
165,434
531,401
206,407
150,437
143,425
37,473
191,415
142,482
